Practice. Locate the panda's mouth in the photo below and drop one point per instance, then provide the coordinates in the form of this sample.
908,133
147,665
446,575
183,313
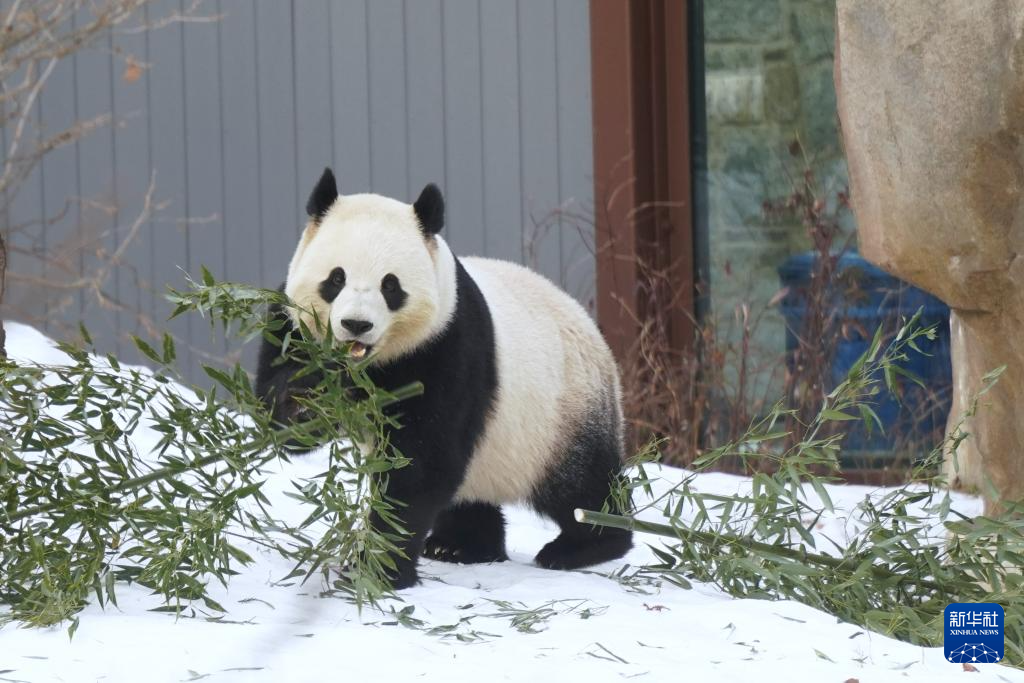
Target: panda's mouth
359,350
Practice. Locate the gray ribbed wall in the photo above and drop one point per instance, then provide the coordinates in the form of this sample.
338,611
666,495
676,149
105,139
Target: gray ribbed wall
488,98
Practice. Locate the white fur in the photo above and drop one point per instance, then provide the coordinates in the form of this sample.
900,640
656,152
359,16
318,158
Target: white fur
370,236
554,368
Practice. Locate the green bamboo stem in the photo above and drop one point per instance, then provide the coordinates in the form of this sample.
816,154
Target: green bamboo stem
711,539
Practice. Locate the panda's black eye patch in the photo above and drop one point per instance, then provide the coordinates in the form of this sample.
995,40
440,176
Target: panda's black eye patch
391,289
334,283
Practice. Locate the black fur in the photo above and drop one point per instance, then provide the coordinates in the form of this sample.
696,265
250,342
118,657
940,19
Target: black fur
468,533
583,479
274,378
391,290
430,210
323,196
440,428
332,285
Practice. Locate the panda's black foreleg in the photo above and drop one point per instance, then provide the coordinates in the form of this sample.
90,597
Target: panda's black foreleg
275,383
416,517
423,492
468,533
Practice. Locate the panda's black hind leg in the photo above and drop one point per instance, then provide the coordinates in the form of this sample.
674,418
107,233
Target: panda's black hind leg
468,533
575,548
583,480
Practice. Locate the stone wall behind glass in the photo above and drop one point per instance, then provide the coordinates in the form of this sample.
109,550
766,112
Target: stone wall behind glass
768,83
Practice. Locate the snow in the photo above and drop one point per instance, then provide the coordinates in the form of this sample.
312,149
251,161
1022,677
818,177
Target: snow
600,630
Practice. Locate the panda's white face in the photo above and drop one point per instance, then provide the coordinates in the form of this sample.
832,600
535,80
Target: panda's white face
367,269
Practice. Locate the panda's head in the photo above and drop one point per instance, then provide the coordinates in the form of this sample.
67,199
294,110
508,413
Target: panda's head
373,269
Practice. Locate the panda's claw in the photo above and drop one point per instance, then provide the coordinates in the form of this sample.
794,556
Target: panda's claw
440,551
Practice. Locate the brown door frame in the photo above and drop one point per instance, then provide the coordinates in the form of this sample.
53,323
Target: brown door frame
642,185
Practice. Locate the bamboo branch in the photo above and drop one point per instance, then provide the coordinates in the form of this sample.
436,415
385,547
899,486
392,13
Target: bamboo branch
126,486
168,471
706,538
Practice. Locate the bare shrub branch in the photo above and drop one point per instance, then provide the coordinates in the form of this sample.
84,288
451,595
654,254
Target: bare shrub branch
34,38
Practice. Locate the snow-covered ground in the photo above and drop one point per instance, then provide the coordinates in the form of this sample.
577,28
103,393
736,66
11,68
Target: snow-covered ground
471,622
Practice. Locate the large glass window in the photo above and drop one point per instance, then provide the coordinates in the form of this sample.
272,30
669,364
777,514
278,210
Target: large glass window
775,190
771,115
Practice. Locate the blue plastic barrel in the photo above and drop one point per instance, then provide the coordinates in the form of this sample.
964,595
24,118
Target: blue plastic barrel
866,297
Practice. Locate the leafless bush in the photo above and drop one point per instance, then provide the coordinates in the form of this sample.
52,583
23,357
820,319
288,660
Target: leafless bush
809,364
34,37
701,392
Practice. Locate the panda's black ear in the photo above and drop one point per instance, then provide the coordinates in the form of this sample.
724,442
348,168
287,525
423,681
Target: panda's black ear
429,209
323,196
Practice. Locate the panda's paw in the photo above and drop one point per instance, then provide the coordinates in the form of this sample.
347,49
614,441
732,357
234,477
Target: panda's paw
403,580
573,551
439,549
404,576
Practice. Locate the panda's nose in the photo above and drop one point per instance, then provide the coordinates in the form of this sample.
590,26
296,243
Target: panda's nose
356,326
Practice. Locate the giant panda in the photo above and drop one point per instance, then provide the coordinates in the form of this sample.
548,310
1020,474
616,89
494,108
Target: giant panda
521,399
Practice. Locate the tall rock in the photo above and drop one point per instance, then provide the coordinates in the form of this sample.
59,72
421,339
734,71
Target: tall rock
931,103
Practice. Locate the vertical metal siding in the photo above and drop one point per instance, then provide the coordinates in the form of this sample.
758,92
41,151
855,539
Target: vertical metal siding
95,174
58,109
488,98
132,172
